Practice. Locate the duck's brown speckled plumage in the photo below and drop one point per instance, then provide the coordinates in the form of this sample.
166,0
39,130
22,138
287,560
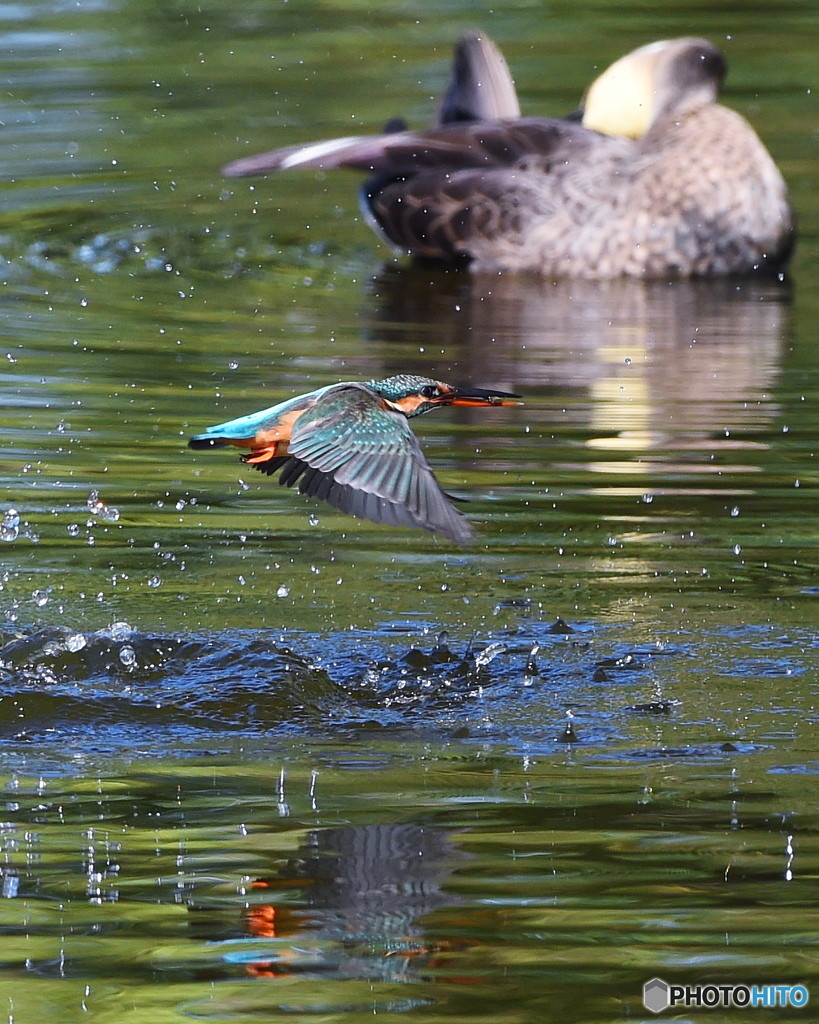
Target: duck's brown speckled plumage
695,194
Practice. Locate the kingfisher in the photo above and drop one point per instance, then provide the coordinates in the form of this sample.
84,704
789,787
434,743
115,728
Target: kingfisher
350,445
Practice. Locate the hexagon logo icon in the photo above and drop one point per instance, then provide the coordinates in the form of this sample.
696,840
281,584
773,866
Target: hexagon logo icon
655,995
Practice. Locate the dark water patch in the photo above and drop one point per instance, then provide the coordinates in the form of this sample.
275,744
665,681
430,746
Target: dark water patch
655,707
694,753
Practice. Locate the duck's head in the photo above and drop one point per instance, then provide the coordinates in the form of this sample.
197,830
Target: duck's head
669,76
413,395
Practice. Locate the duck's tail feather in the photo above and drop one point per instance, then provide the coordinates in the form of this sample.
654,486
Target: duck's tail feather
481,87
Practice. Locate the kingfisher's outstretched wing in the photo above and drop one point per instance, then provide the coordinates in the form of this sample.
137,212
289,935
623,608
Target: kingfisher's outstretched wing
361,457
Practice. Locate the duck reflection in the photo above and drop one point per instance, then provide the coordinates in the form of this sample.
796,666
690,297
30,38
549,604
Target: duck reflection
652,364
351,903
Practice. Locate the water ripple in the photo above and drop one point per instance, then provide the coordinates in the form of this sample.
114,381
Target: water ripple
535,688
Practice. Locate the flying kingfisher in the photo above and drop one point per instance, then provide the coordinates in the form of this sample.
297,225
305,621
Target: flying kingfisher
350,445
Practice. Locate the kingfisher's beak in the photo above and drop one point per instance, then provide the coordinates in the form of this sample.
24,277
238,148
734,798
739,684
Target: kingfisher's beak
477,396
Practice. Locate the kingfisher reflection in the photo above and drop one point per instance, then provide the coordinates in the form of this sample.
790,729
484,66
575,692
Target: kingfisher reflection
351,904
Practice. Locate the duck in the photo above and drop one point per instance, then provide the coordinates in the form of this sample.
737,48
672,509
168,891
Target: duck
652,177
350,444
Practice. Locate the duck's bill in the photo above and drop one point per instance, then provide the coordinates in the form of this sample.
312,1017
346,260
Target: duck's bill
478,396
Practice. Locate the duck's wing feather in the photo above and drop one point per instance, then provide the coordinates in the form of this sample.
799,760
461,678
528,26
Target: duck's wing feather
534,172
362,458
444,216
480,90
456,146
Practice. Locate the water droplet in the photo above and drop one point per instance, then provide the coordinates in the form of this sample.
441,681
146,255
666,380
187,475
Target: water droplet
283,591
40,598
127,655
627,361
73,530
488,654
120,630
737,548
233,364
10,525
735,511
647,499
313,519
75,642
180,504
100,509
154,581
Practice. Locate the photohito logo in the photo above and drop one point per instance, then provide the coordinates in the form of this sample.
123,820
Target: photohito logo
658,995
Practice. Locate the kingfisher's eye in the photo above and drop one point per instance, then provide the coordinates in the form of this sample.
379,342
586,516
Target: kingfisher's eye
430,391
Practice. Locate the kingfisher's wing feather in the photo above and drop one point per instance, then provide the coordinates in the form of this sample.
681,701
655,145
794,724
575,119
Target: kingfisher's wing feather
270,466
374,462
353,501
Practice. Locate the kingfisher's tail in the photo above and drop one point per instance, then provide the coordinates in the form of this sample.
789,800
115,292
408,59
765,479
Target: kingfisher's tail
202,441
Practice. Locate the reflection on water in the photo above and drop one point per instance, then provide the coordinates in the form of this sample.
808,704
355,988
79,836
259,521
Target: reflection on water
221,890
662,366
362,889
